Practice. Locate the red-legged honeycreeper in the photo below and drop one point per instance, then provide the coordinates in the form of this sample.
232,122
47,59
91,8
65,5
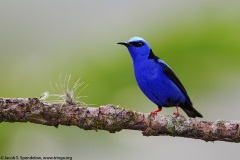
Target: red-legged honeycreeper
157,80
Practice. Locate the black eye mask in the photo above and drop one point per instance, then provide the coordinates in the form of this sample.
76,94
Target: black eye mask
137,44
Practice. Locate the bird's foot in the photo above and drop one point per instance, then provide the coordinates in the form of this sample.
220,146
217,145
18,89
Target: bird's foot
153,113
177,112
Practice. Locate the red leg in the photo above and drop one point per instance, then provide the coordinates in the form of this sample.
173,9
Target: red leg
155,111
176,113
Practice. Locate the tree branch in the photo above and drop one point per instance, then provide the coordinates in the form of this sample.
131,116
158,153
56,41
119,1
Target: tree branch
114,119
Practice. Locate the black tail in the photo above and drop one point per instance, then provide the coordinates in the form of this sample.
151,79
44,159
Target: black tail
192,112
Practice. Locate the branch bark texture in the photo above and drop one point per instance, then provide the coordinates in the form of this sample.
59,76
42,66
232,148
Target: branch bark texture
114,119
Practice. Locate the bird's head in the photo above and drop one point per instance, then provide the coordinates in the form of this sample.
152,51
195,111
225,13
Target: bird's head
137,47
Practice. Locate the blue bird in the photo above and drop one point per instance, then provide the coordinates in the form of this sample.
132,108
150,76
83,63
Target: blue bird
157,80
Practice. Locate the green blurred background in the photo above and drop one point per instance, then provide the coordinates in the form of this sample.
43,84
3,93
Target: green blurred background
200,40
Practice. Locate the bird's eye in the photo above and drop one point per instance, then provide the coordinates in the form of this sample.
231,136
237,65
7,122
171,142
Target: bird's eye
137,44
140,44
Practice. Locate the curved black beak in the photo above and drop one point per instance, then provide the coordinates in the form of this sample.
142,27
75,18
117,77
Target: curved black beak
124,43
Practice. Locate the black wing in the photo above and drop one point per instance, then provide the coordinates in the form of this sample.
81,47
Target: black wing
174,78
168,71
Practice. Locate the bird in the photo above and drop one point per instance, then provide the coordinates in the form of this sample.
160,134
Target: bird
157,80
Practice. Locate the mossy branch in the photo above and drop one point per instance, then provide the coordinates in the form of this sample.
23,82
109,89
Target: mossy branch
114,119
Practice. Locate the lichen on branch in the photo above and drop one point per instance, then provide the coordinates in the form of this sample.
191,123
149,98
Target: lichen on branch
114,119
